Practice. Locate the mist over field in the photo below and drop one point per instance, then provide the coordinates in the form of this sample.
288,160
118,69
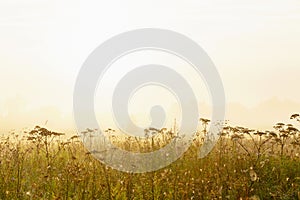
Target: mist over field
261,116
48,151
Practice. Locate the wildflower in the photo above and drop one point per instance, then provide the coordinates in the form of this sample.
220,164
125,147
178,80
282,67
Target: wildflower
262,164
253,175
294,116
273,169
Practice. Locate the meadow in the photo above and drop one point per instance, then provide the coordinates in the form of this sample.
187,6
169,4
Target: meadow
245,164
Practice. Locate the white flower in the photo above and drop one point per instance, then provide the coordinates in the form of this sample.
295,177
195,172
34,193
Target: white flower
253,175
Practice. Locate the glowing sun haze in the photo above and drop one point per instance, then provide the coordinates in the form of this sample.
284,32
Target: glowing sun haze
254,44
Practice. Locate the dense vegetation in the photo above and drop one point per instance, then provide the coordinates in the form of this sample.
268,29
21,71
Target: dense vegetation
245,164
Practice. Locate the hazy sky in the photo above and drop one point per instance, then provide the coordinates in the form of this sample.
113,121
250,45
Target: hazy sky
255,45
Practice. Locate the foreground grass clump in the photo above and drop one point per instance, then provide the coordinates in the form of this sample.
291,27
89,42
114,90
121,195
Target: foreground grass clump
245,164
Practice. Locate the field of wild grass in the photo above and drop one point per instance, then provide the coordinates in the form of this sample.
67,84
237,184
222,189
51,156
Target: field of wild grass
245,164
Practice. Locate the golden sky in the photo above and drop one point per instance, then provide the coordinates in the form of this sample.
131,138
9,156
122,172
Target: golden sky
254,44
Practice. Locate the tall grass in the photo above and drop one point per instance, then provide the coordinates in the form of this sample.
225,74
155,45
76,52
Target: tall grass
245,164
